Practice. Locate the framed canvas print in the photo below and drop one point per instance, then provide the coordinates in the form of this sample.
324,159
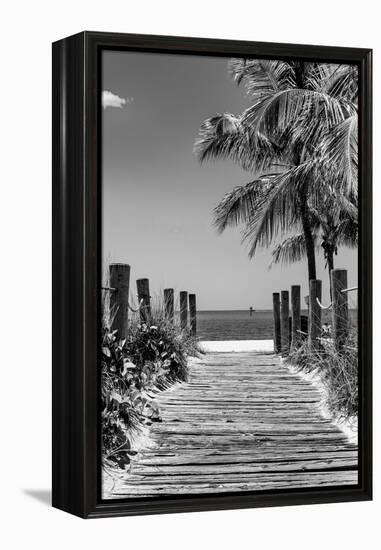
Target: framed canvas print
212,274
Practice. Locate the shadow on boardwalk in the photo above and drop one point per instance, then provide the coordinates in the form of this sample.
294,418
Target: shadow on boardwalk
242,422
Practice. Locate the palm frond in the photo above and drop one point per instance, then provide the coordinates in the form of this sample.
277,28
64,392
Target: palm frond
318,74
278,210
293,108
238,206
303,115
290,250
342,83
226,137
262,76
339,151
348,233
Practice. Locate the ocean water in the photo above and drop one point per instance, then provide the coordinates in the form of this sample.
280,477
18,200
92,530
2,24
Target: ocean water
239,325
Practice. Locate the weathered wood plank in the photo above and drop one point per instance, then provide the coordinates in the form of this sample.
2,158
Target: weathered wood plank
261,482
260,456
163,470
242,422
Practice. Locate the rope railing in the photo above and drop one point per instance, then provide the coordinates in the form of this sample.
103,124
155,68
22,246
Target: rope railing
321,305
343,290
118,285
141,303
287,324
349,289
133,310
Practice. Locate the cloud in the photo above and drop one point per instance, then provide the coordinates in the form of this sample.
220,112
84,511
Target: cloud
112,100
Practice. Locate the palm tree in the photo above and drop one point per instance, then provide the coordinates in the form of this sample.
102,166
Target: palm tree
335,213
280,137
335,224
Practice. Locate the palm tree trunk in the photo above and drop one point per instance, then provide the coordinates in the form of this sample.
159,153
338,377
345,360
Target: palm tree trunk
310,249
330,265
302,196
310,244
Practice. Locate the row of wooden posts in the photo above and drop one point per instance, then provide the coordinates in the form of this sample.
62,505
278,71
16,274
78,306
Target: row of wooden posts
288,330
119,278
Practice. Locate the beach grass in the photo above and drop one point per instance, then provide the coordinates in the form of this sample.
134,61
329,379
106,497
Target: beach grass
336,369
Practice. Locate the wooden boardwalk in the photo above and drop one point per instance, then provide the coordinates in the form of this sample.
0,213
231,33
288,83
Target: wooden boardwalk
241,422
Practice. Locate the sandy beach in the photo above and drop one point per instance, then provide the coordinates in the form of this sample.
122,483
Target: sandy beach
229,346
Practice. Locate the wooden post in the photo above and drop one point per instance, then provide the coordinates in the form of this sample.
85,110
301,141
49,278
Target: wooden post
119,275
192,314
183,310
284,322
314,315
142,286
340,318
295,315
276,313
169,307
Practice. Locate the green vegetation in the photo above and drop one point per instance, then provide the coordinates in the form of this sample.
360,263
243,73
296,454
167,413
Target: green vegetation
152,357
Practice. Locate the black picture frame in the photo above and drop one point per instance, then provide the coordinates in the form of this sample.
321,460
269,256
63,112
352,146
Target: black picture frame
77,267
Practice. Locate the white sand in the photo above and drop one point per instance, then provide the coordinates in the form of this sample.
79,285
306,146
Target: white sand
225,346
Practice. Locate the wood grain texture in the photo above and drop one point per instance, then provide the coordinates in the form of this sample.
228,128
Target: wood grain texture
340,319
169,302
192,314
276,315
183,309
144,297
284,322
314,314
119,276
242,422
295,316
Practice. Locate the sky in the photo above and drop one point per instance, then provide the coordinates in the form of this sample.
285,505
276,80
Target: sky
158,200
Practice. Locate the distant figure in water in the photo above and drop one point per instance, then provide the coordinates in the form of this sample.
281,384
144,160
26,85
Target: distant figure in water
251,311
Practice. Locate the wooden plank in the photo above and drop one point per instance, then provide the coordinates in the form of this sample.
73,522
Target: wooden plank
261,482
241,458
226,468
244,422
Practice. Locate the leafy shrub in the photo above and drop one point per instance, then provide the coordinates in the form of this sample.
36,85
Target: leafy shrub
151,358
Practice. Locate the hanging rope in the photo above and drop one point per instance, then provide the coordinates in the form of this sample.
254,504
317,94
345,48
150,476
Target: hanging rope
330,305
141,303
321,305
349,289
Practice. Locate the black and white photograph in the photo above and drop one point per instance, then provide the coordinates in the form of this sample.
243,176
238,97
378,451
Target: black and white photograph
230,231
189,246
